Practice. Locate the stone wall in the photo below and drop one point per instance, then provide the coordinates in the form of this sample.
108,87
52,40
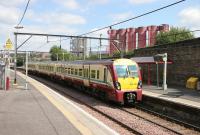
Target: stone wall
185,56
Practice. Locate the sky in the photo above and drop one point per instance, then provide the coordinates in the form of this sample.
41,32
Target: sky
75,17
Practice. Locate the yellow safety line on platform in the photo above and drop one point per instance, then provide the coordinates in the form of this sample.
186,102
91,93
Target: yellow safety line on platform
84,130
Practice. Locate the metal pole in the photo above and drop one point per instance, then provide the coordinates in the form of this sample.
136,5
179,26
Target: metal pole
165,72
100,47
15,60
26,87
90,48
157,74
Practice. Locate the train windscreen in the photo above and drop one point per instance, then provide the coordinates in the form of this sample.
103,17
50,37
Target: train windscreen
126,71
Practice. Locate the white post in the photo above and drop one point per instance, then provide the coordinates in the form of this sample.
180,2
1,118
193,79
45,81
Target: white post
26,87
165,72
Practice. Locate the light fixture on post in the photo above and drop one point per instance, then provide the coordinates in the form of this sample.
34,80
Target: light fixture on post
15,60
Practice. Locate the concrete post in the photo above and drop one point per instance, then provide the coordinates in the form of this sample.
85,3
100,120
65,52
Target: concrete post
165,72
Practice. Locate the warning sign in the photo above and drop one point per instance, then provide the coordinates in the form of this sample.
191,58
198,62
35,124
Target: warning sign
8,45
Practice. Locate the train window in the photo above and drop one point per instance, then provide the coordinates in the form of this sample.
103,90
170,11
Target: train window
84,73
72,71
132,70
80,72
93,73
68,70
122,70
97,74
62,69
76,71
87,74
105,75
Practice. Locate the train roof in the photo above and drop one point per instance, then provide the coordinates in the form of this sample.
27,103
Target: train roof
104,61
107,61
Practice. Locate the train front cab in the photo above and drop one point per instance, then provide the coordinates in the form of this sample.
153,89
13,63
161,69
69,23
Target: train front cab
128,81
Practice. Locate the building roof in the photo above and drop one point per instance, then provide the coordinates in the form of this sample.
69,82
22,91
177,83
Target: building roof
149,60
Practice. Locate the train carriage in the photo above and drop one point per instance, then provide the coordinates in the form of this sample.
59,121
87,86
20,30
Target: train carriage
117,80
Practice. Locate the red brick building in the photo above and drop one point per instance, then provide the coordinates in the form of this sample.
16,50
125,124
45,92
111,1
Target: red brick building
134,38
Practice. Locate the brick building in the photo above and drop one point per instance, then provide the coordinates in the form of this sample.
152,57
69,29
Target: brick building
134,38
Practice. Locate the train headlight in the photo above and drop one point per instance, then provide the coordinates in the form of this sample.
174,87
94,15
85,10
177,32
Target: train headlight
139,84
117,85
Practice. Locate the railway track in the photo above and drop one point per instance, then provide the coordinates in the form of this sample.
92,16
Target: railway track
185,124
64,93
157,121
126,111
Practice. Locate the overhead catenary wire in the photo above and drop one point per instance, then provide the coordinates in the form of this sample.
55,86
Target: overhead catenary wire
144,14
24,13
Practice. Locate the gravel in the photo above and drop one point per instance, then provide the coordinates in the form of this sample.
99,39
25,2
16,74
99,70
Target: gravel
139,124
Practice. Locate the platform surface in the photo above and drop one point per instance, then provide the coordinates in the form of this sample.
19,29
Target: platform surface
174,94
39,110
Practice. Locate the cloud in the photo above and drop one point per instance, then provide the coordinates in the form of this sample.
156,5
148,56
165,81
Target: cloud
98,1
59,18
11,3
53,29
190,17
69,4
141,1
8,15
121,16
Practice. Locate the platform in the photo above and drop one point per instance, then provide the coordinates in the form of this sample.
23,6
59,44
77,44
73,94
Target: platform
39,110
179,95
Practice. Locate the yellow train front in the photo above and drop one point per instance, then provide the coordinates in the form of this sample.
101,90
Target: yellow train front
117,80
128,82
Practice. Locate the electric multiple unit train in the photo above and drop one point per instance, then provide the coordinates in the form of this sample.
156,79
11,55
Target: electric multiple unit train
117,80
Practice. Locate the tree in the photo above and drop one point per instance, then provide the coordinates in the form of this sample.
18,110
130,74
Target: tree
59,54
174,35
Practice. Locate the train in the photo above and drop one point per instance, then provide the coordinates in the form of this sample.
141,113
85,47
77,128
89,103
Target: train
117,80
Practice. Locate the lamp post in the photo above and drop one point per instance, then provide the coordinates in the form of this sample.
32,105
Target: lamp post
15,60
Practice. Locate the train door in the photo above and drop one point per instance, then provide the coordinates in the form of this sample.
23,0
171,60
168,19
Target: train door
86,75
